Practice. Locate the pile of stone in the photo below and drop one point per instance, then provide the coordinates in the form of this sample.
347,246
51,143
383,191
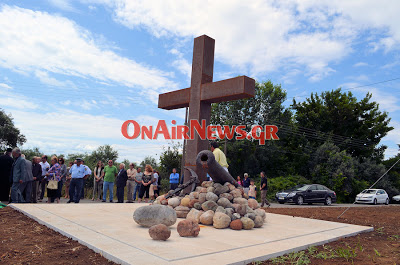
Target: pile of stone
158,218
221,206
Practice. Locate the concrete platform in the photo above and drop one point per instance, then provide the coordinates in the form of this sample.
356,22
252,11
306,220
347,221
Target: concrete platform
109,229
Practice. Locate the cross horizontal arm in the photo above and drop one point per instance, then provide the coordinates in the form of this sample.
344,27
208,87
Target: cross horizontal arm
175,99
225,90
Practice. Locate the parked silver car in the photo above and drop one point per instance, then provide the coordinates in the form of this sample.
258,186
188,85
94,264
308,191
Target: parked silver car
373,196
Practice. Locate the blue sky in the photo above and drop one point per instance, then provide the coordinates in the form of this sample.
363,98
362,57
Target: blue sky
71,72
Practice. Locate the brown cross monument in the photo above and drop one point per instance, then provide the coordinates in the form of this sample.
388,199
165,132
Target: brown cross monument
202,92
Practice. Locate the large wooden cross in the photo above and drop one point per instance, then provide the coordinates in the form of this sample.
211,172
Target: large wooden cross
202,92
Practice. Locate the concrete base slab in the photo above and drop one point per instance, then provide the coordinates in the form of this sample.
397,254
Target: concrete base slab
109,229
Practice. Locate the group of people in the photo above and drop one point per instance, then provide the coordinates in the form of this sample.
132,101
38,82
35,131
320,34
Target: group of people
28,180
139,184
250,188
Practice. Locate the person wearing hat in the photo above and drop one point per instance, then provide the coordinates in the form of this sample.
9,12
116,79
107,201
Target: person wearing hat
6,163
246,183
78,172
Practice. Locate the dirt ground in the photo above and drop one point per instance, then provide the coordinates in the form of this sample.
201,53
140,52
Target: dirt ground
24,241
382,246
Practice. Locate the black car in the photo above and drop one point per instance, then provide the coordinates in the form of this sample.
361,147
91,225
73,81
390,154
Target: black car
307,194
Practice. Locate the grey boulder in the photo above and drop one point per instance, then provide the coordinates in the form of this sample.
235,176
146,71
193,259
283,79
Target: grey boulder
150,215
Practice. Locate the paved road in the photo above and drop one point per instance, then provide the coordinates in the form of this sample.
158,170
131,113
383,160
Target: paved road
286,205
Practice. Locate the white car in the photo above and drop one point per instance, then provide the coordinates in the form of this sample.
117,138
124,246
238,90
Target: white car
396,198
373,196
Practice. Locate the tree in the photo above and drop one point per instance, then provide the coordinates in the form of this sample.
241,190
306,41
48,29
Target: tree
149,160
265,108
104,153
354,126
10,136
335,169
30,153
170,158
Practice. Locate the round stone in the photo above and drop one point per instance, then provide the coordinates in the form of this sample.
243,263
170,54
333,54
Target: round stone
236,193
188,228
202,197
224,202
194,215
174,202
258,221
240,200
229,212
159,232
150,215
247,223
236,225
211,197
217,185
197,206
221,189
192,202
241,209
207,184
253,204
231,187
210,189
198,188
185,202
207,217
252,216
260,212
203,190
220,209
226,196
209,205
182,211
221,220
235,216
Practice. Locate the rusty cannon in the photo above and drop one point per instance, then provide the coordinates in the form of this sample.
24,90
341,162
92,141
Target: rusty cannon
206,159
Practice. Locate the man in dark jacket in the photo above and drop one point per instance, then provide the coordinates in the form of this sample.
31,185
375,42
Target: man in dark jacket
6,163
26,187
18,176
122,177
37,178
264,188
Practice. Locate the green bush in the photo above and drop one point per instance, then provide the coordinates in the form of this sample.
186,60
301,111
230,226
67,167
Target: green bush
282,183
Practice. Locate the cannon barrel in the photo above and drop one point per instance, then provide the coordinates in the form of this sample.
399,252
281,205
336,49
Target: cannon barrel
206,159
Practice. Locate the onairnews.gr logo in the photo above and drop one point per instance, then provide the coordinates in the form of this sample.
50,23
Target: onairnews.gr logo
210,132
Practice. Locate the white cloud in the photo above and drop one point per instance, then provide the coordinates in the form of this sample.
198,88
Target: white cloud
385,99
65,131
42,43
262,36
46,79
394,135
5,86
180,63
10,98
360,64
63,4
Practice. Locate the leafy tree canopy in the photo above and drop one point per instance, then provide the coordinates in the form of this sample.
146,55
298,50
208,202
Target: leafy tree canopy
10,136
355,126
